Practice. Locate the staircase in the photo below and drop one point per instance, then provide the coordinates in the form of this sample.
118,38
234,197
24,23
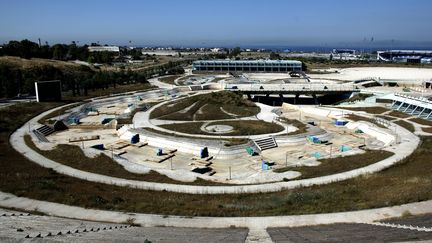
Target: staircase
45,130
42,132
195,87
265,143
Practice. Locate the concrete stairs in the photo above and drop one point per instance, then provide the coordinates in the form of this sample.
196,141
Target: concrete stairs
265,143
195,87
42,132
45,130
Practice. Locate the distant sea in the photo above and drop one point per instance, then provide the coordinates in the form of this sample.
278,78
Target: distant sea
326,49
308,49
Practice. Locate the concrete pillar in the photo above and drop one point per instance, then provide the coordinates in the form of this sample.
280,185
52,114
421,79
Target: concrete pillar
424,108
296,98
315,99
414,110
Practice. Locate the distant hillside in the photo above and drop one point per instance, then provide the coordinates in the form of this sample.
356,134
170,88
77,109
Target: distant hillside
26,64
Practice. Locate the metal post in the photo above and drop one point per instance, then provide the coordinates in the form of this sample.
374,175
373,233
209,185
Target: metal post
229,173
82,143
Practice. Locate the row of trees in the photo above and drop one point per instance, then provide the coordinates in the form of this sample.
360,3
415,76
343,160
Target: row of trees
16,80
28,49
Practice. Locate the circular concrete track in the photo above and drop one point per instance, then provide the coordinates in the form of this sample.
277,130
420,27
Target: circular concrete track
408,144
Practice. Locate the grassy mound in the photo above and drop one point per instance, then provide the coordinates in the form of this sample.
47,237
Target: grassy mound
240,128
212,106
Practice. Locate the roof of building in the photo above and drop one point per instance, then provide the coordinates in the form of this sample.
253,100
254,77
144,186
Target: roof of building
250,61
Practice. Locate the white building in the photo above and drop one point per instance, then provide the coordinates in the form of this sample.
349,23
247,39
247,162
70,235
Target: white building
104,48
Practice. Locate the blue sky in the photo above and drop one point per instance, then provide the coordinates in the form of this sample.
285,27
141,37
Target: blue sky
217,22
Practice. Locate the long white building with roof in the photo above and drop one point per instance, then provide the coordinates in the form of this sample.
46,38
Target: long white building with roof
247,65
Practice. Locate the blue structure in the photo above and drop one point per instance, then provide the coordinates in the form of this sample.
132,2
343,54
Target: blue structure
98,146
340,123
135,139
265,165
204,153
345,148
159,152
275,66
106,120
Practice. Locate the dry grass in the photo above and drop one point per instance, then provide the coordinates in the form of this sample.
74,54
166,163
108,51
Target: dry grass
398,114
22,63
227,141
240,127
421,121
355,118
371,110
408,126
339,164
427,129
206,107
302,128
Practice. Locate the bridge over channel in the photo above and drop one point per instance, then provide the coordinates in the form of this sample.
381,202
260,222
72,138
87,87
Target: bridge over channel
308,89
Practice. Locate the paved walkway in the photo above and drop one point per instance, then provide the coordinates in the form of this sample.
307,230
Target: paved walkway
408,144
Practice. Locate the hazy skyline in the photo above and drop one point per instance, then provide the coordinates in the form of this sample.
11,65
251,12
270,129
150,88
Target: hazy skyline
223,22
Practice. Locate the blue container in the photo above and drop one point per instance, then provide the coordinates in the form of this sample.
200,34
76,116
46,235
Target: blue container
204,153
135,139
